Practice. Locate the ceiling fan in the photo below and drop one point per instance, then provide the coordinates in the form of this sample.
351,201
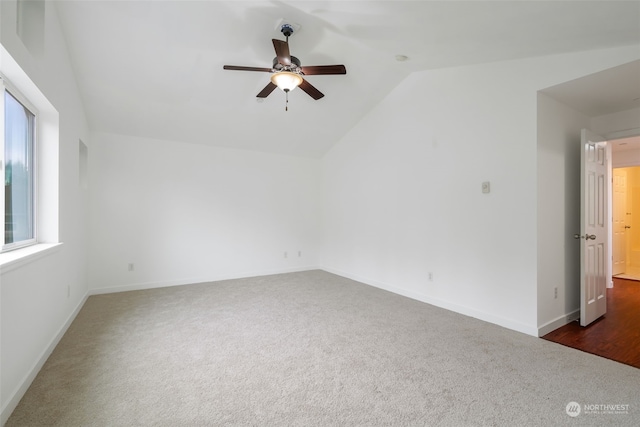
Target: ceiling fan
287,70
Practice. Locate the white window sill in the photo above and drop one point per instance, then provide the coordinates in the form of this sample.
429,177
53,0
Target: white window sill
19,257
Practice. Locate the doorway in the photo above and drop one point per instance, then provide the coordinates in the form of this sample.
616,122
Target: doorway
626,229
625,208
605,106
614,335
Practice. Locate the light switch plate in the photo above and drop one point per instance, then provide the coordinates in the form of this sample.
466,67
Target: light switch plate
486,187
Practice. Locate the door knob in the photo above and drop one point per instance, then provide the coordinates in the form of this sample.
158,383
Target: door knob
627,226
585,237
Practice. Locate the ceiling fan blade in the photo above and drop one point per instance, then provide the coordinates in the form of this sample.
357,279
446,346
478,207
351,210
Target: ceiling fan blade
282,51
311,90
323,69
241,68
266,91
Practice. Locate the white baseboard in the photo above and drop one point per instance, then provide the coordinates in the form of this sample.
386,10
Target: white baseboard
558,322
17,394
467,311
193,280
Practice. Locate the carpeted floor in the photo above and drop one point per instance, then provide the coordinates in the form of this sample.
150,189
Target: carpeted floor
311,349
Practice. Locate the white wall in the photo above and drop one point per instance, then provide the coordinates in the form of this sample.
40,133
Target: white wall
402,190
38,299
184,213
558,212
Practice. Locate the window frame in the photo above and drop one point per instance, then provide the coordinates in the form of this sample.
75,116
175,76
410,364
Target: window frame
6,86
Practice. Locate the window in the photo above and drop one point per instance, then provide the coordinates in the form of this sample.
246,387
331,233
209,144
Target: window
18,160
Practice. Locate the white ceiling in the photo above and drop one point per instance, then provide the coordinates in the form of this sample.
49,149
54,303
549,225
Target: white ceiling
625,145
154,68
610,91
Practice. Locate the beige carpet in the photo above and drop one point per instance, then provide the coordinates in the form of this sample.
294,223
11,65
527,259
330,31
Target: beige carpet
311,349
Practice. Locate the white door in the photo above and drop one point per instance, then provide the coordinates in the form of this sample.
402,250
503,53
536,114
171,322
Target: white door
593,228
619,218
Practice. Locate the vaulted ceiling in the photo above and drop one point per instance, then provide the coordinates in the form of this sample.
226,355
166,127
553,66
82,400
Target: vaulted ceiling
154,68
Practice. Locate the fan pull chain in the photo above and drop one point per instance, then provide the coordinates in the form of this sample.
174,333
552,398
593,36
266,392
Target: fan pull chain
286,94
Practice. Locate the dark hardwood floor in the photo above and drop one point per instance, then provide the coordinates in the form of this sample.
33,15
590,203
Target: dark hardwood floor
616,335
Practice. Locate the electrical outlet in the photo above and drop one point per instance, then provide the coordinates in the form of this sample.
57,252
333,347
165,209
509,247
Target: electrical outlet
130,267
555,293
299,254
430,275
68,291
286,255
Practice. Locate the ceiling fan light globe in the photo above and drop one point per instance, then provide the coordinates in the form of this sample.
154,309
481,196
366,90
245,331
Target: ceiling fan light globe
286,81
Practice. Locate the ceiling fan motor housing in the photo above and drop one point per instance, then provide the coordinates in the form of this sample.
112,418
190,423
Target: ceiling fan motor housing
294,67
